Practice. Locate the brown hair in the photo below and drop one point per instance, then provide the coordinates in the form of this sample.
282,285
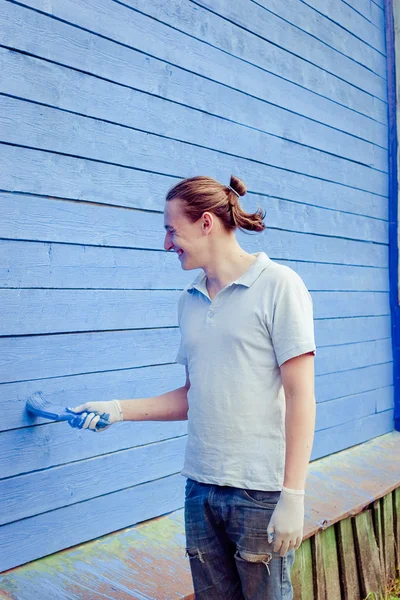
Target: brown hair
205,194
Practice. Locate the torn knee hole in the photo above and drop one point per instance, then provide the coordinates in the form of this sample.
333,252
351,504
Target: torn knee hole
254,558
194,553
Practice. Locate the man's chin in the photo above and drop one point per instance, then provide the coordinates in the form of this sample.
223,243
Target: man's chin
186,266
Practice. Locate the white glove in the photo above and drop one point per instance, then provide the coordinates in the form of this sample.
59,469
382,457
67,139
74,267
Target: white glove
286,525
100,415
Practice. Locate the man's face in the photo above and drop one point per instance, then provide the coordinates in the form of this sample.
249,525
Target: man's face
182,236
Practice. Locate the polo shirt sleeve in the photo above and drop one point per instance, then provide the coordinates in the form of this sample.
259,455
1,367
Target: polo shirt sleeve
181,357
292,331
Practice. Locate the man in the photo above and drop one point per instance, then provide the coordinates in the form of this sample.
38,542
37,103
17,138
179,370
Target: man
247,343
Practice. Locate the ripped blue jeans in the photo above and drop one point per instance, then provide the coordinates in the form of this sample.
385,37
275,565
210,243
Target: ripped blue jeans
227,545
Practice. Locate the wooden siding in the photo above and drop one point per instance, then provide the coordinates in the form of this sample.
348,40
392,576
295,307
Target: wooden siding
103,106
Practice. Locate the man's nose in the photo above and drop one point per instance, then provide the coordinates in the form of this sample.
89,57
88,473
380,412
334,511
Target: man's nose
167,242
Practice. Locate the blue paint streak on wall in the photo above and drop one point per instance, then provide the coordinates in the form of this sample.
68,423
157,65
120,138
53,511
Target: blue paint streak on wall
393,205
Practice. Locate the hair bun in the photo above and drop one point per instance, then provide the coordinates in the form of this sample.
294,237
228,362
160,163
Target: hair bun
238,185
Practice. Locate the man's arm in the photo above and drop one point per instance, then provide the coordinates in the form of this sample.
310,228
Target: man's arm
298,382
98,416
286,525
172,406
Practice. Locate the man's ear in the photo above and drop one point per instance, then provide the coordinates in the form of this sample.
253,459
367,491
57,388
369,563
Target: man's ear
207,222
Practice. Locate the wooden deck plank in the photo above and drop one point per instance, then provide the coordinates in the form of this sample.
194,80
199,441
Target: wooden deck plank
388,538
396,511
378,530
367,554
302,573
347,560
326,566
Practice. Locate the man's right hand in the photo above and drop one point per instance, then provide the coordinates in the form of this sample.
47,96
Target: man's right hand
100,415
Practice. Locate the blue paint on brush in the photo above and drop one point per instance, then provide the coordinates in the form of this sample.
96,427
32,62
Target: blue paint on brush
39,406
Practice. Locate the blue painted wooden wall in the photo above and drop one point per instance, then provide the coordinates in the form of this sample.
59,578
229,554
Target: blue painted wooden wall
104,105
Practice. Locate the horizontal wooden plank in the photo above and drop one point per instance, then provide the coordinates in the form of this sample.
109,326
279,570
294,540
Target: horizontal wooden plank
59,42
334,439
53,444
385,401
336,331
49,220
37,265
369,10
363,7
57,265
350,408
27,312
380,3
317,23
336,277
52,84
44,356
80,179
36,493
354,356
50,311
285,245
124,384
25,540
57,220
363,69
29,124
343,14
39,357
378,15
119,23
337,384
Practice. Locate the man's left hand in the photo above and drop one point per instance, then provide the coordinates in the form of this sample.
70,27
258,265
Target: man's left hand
285,528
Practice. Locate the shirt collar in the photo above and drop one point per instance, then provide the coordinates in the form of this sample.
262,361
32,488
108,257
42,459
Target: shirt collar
247,278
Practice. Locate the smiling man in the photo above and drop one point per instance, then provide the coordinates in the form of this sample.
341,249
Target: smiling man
247,344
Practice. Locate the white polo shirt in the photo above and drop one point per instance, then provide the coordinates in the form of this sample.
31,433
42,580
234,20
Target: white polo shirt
233,346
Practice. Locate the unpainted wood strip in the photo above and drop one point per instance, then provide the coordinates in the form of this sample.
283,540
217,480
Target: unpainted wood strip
347,560
326,566
396,523
388,538
378,530
367,554
302,572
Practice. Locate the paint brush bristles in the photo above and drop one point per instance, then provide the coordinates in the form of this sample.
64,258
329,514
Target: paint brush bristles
39,406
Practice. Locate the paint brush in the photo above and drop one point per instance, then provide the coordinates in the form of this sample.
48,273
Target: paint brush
40,407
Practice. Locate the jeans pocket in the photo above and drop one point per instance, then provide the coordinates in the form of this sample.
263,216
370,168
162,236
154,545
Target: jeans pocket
262,497
190,483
